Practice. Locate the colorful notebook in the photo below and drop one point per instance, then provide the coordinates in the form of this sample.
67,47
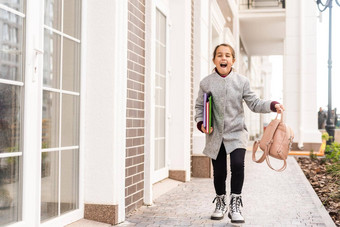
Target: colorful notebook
207,113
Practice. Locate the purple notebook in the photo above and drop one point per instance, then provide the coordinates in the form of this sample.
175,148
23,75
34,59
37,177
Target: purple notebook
205,96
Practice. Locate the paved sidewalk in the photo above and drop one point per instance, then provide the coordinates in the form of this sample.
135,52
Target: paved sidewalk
269,198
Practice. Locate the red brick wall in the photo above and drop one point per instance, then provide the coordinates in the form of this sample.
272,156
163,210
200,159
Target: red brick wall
134,181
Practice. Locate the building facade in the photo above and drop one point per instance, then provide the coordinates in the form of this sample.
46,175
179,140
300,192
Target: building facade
97,97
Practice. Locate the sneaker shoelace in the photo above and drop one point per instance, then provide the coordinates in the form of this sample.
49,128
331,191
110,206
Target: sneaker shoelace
235,204
220,203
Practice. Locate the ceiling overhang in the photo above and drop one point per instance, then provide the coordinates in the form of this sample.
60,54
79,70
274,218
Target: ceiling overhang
262,32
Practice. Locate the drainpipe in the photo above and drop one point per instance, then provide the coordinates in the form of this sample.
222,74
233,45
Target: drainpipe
302,67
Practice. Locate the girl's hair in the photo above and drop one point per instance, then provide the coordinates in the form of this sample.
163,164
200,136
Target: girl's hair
226,45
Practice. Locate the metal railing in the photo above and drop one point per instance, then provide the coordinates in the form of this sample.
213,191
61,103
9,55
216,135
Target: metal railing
262,4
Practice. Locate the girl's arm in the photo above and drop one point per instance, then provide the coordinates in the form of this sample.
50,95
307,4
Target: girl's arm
254,103
258,105
199,108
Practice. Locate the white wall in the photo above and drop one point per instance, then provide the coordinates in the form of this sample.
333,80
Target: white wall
180,85
202,59
299,86
105,104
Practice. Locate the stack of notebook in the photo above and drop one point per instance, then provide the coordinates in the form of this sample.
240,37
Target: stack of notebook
207,116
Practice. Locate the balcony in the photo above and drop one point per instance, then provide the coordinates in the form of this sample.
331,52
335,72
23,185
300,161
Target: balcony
262,26
261,4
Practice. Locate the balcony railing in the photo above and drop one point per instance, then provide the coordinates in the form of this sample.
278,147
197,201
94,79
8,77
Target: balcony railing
262,4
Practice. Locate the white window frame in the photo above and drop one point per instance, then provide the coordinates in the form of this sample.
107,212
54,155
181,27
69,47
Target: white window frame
33,73
160,174
78,213
21,85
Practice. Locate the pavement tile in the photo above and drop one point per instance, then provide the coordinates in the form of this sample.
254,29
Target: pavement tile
270,199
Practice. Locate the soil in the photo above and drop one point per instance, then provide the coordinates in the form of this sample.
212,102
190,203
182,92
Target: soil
325,184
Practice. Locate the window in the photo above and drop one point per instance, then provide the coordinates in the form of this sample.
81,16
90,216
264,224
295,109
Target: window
60,108
12,22
160,91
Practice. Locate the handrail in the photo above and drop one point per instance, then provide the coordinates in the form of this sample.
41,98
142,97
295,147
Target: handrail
261,4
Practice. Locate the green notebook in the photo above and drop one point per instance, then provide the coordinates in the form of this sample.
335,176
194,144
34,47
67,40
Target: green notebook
207,122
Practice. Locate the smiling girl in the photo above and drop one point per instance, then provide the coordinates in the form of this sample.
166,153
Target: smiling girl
229,135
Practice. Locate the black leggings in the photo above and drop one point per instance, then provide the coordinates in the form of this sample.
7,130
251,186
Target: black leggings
236,168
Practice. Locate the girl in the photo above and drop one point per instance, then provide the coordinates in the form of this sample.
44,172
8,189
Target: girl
229,135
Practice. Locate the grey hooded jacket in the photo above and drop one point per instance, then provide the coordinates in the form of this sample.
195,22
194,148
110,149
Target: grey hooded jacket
228,114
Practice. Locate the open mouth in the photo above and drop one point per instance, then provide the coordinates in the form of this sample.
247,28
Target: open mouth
223,65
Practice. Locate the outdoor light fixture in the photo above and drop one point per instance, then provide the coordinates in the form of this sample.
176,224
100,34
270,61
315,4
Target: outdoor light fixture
322,7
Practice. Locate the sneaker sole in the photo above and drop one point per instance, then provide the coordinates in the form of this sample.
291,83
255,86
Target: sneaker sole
235,221
216,218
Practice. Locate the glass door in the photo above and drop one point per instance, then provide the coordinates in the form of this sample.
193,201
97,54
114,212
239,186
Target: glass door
12,24
58,104
60,108
160,165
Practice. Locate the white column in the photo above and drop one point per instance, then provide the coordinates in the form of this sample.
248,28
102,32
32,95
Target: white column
149,96
180,87
299,84
236,32
105,115
201,60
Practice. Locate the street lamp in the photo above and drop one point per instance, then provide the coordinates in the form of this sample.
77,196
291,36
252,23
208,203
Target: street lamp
322,7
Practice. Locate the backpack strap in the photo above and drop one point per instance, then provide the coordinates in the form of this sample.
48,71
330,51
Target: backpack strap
265,153
255,147
278,170
268,144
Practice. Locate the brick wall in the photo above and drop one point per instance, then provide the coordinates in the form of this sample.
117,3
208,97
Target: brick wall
134,181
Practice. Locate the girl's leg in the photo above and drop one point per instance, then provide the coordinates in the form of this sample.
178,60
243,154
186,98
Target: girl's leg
220,176
237,170
237,178
220,171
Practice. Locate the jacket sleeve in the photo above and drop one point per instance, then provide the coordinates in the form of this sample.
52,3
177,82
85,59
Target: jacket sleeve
254,103
199,108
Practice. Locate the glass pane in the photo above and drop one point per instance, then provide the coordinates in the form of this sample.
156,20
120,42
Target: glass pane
49,184
50,120
10,190
156,155
70,121
11,28
162,60
159,122
159,154
72,17
10,118
157,25
159,93
51,59
162,85
158,64
160,90
69,181
14,4
71,65
162,28
53,14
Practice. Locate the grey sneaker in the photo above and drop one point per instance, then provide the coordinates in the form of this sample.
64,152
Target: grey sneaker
234,209
220,209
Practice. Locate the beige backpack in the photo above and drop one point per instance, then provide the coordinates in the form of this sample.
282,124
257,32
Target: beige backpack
276,141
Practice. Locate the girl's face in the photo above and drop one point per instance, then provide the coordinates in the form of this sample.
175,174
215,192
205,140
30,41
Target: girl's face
223,60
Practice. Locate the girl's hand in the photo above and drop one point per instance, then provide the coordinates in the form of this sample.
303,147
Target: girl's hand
203,130
279,108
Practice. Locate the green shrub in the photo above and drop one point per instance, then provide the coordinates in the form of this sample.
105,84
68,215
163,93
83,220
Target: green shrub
312,155
333,152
